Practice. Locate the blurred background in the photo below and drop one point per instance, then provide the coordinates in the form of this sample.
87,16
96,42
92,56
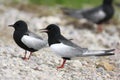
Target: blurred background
65,3
40,13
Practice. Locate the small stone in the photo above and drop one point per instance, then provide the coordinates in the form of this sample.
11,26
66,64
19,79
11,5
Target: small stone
106,65
35,54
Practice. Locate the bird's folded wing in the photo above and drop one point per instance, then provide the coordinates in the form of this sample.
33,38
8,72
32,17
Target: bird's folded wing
69,43
93,14
74,12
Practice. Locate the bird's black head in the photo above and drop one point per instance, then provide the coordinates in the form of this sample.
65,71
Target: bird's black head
52,30
107,1
20,25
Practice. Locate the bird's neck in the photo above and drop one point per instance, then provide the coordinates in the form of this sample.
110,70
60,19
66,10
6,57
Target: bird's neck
108,8
19,33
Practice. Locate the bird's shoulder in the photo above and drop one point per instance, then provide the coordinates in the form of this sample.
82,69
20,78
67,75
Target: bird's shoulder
67,42
31,34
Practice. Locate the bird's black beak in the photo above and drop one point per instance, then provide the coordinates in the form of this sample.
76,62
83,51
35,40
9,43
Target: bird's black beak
10,25
44,30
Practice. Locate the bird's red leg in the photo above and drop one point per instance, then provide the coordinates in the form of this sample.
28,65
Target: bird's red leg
99,28
30,55
62,66
24,58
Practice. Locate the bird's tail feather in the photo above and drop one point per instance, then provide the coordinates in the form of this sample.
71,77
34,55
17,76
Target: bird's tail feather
99,52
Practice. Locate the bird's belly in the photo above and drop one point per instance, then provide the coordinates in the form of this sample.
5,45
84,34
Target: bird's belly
63,50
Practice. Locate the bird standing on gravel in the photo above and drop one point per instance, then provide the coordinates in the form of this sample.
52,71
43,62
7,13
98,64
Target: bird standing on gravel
98,15
27,39
66,49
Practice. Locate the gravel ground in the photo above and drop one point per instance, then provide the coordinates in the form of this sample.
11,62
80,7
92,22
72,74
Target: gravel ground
43,63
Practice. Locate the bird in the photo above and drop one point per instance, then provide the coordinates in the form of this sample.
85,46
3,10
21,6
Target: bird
26,39
98,15
67,49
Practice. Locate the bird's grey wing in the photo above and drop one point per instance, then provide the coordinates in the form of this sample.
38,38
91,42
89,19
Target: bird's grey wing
74,12
70,49
94,15
76,51
69,43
